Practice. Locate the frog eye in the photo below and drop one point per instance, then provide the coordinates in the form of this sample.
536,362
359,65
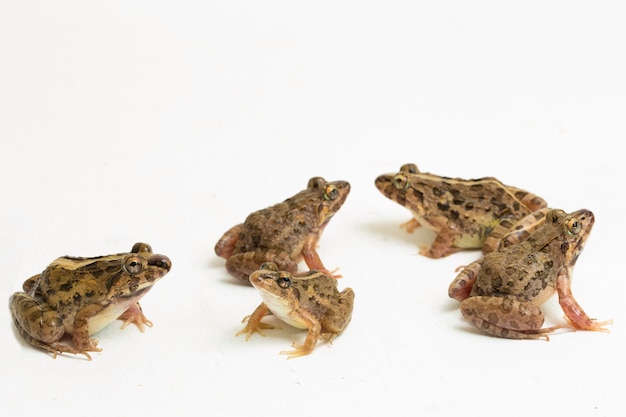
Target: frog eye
331,193
141,247
316,182
271,266
133,265
409,168
401,182
284,281
574,226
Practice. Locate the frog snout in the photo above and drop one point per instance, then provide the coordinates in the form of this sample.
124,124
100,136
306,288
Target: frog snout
160,261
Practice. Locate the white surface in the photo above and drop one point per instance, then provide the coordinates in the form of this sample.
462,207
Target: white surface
169,122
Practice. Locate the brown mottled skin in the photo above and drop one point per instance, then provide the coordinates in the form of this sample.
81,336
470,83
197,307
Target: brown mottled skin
80,296
501,293
284,233
465,214
308,301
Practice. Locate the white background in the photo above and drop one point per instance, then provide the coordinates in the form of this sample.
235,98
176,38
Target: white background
169,122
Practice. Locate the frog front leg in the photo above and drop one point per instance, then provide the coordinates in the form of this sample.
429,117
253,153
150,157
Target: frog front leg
574,313
254,323
134,315
84,327
410,225
311,257
505,317
40,325
443,245
313,335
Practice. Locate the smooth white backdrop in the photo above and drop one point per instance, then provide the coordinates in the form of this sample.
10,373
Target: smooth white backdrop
169,122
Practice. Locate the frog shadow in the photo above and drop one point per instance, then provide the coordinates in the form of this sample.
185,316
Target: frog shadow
281,332
66,339
219,264
391,229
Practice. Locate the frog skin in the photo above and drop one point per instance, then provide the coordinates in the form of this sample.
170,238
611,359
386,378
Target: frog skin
306,301
465,213
79,296
501,293
285,233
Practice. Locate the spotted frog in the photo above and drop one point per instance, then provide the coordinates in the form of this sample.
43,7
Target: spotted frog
501,293
465,213
306,301
80,296
284,233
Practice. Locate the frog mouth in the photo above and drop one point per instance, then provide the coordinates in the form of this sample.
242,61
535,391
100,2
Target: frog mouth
136,295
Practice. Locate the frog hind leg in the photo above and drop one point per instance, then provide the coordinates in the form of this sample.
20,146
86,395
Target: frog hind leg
241,265
505,317
462,285
508,232
225,247
39,325
334,324
530,200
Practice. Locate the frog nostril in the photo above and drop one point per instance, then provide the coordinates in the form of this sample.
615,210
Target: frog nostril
160,261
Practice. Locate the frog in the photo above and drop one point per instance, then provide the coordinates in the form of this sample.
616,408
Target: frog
285,233
79,296
464,213
502,292
308,300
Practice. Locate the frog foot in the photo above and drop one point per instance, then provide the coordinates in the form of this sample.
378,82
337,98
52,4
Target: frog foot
134,315
592,325
329,337
253,327
410,225
543,332
59,348
299,350
332,273
597,327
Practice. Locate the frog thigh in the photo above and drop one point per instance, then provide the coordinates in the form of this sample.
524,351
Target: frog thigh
35,321
504,317
337,321
226,245
30,283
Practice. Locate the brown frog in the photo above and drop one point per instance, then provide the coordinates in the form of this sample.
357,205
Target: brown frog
284,233
465,213
501,293
80,296
306,301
